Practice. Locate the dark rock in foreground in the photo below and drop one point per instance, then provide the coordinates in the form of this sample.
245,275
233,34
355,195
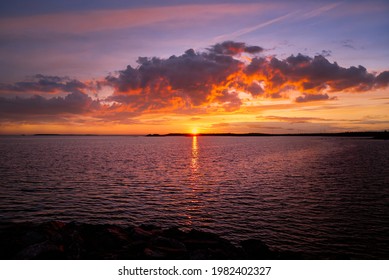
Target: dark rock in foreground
57,240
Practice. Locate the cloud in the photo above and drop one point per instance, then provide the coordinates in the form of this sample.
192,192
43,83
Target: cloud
313,75
274,126
47,98
253,28
224,78
218,125
317,12
292,119
382,80
21,108
186,81
233,48
325,53
103,20
46,84
348,44
312,97
216,77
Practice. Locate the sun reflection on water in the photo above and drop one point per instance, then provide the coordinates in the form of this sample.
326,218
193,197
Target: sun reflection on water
191,207
194,166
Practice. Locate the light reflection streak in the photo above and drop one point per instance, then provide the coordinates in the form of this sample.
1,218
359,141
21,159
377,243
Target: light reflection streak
194,166
194,176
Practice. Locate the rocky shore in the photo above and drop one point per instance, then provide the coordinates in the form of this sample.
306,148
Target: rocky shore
58,240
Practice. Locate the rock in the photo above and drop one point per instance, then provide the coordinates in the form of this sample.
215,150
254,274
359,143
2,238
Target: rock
256,249
43,251
32,236
16,237
288,255
118,233
103,241
174,232
153,254
74,243
140,233
53,230
202,240
170,247
135,250
57,240
199,255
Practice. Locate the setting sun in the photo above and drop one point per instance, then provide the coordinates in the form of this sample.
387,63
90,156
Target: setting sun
195,131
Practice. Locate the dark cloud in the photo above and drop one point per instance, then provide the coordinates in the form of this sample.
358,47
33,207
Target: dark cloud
255,89
191,79
229,100
318,74
312,75
73,103
382,80
348,44
325,53
312,97
47,84
217,75
234,48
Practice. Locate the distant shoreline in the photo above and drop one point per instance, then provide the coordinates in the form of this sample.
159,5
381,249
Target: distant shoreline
365,134
340,134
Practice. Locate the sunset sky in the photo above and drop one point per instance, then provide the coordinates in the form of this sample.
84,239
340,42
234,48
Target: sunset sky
139,67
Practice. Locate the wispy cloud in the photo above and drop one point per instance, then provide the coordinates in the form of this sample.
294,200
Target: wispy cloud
317,12
296,15
243,31
293,119
101,20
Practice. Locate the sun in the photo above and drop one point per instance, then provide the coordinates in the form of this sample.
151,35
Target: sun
195,131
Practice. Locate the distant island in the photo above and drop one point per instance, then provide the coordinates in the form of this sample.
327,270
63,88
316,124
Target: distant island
370,134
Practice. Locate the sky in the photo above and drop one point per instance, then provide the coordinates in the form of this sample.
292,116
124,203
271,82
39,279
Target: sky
140,67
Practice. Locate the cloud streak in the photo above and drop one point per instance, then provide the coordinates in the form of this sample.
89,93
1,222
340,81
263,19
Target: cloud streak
102,20
253,28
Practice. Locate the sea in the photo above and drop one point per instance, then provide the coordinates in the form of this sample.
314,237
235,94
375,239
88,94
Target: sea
321,196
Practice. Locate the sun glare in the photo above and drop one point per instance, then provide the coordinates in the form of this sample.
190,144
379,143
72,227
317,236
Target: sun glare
195,131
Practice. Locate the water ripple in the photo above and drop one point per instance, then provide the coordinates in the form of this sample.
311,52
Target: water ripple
317,195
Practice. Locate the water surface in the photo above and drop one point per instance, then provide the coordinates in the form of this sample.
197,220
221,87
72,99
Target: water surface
319,195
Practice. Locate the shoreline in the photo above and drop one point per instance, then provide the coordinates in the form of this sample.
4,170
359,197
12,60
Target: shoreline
357,134
351,134
80,241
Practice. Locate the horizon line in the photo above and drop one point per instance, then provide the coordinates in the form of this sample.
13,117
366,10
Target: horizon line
344,133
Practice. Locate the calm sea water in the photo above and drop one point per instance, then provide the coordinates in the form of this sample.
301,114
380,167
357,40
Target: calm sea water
327,196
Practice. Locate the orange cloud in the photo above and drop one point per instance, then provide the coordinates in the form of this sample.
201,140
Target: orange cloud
216,77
